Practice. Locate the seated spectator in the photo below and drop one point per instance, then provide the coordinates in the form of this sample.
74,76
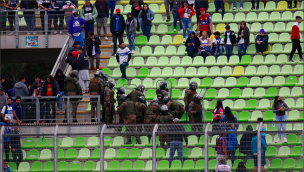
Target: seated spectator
72,55
230,118
234,4
192,44
217,45
245,143
229,41
254,151
241,167
223,165
6,168
206,44
261,42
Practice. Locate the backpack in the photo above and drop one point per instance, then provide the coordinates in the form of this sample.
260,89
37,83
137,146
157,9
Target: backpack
94,85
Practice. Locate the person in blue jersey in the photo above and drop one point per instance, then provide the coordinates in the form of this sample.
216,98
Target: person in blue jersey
75,24
123,57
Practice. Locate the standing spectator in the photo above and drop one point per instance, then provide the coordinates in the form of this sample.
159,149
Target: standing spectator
218,111
7,142
206,44
112,5
20,89
16,147
223,167
221,148
7,110
12,5
290,4
89,13
117,28
192,44
135,10
253,4
234,4
145,19
279,107
36,86
232,144
75,30
29,17
174,11
131,25
254,151
17,112
58,16
2,81
102,8
241,167
6,167
167,7
83,69
3,18
44,5
220,4
50,88
295,38
123,58
60,77
92,49
245,142
186,12
261,42
243,39
176,141
72,55
198,5
3,96
217,45
230,118
205,23
229,41
67,11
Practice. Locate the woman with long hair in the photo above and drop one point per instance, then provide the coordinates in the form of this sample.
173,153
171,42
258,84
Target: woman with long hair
145,19
229,118
135,10
279,107
243,39
186,12
206,44
218,111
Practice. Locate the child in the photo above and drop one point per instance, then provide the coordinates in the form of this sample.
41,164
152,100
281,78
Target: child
229,41
217,45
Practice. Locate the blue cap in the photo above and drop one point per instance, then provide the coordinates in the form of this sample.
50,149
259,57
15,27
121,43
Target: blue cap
262,31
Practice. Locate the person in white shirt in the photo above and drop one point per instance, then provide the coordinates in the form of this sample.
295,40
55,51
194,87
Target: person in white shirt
217,45
123,56
7,111
223,167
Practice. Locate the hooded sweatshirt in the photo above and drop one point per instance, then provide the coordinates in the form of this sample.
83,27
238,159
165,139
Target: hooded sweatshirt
20,89
75,25
254,145
295,31
131,26
60,79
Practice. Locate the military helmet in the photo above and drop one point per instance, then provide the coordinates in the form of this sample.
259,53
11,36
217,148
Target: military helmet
74,74
97,74
123,97
141,88
193,85
166,99
197,98
164,108
142,99
154,102
163,85
121,90
111,84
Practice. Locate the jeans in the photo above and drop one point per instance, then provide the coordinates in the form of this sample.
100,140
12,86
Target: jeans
116,35
146,29
296,46
176,145
176,17
187,24
30,22
112,5
79,38
261,47
235,4
131,39
219,4
191,52
229,49
204,54
60,100
231,155
123,68
102,22
58,18
67,18
249,155
281,126
92,61
242,47
220,50
87,28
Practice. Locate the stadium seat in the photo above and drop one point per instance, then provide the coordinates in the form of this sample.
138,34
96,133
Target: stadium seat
244,116
190,72
251,105
291,81
218,82
250,71
230,81
117,142
175,166
141,40
235,93
284,92
112,63
45,155
121,82
154,40
137,62
143,73
210,61
256,27
162,62
113,166
266,82
223,93
28,143
239,104
155,72
186,61
24,166
271,152
239,17
151,62
151,94
234,60
36,166
269,115
251,16
299,104
274,70
80,142
32,155
174,61
206,82
271,93
298,70
84,154
247,93
122,153
226,71
138,166
177,40
171,30
284,151
238,71
214,71
210,94
163,165
182,83
166,40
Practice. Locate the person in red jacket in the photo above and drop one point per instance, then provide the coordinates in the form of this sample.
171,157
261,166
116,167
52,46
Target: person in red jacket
186,12
295,38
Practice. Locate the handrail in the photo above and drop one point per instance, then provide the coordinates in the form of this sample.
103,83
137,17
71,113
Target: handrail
61,57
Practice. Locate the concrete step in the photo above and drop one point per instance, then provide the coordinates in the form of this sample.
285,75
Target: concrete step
105,46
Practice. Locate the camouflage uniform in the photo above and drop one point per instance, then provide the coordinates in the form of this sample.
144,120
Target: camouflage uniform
118,94
188,97
164,117
161,93
176,108
195,114
108,108
95,88
140,113
135,94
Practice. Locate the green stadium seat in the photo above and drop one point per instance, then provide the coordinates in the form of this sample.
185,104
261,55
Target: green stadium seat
212,164
274,70
284,38
45,155
71,154
230,81
24,166
286,70
255,115
186,61
181,50
242,82
158,19
239,104
270,6
271,152
210,61
134,153
96,153
276,164
162,61
217,17
138,166
13,166
289,164
141,40
113,166
122,153
116,73
88,166
262,70
291,81
300,83
247,93
107,141
146,51
287,50
256,27
36,167
257,60
266,82
148,166
163,165
41,143
206,82
235,93
269,116
80,142
199,165
274,16
121,82
166,40
284,92
234,60
259,93
298,126
239,17
109,153
244,116
151,94
176,165
112,63
167,72
178,72
32,155
75,167
226,71
143,73
268,27
299,104
146,154
134,83
271,93
218,82
210,94
296,152
171,50
154,39
126,166
252,16
137,62
273,38
171,30
117,142
148,83
182,83
270,59
284,151
214,71
63,166
174,61
264,103
228,17
28,143
223,93
84,153
221,61
48,166
151,62
251,105
155,72
246,60
298,70
190,72
279,26
188,165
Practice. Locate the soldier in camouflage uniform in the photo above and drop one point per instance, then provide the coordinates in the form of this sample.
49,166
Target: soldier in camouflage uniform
141,108
139,91
72,88
109,101
128,109
189,93
151,114
164,117
120,91
95,88
175,108
196,111
161,92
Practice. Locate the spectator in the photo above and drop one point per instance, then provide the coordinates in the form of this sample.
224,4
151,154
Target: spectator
36,86
60,77
220,4
6,168
295,38
58,16
167,7
186,12
230,118
82,67
241,167
3,18
123,58
67,11
279,107
16,147
218,111
117,28
7,111
92,49
232,144
192,44
176,141
72,55
174,11
198,5
12,5
206,44
135,10
89,13
49,88
221,148
102,8
3,96
254,151
2,81
243,39
44,5
75,30
290,4
223,167
29,17
245,143
234,4
205,23
261,42
145,19
229,41
17,112
7,142
217,45
253,4
112,5
20,89
131,25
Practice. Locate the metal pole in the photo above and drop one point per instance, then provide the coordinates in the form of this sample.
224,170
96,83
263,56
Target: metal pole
206,148
37,110
17,28
46,29
68,110
98,109
1,146
154,148
56,149
259,147
102,147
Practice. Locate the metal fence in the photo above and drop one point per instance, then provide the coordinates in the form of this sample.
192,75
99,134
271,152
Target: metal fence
84,147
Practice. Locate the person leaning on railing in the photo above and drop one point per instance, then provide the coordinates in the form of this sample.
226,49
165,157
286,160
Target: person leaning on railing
29,17
11,5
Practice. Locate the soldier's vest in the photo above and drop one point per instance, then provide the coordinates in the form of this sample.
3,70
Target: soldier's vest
130,110
197,107
139,109
71,86
94,85
134,95
190,95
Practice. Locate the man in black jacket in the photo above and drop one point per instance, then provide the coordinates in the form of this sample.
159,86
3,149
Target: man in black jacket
192,44
117,27
91,46
29,17
198,5
102,8
229,41
82,67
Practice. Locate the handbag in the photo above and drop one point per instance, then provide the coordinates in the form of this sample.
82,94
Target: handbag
147,22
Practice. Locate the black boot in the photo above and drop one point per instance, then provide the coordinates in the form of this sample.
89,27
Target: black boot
64,121
128,141
75,120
